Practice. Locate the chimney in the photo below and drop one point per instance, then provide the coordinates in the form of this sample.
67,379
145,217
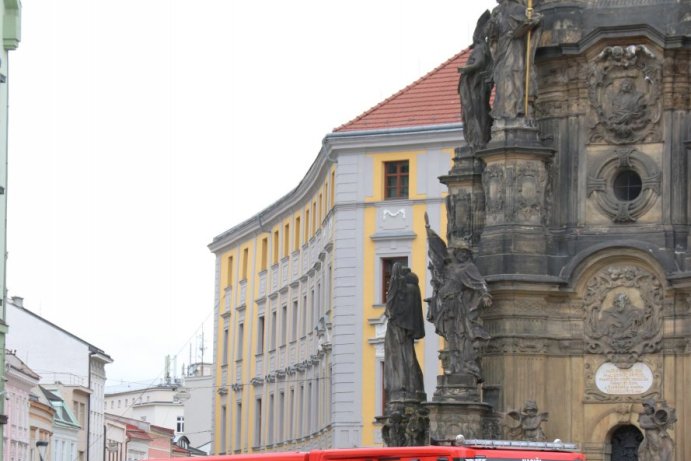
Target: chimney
18,301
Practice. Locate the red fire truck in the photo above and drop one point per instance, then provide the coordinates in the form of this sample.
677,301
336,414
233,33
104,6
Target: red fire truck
486,450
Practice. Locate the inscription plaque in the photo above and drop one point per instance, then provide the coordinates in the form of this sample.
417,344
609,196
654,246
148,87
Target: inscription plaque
611,379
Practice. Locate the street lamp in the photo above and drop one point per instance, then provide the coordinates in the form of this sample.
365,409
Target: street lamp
42,446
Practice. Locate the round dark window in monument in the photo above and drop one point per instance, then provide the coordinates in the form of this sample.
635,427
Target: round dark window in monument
627,185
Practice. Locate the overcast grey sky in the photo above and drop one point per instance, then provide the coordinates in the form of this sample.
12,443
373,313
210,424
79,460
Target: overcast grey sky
140,129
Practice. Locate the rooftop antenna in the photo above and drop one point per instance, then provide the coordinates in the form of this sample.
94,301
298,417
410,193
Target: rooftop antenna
167,372
202,348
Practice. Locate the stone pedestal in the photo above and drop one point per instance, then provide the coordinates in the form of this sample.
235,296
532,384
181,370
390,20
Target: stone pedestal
465,204
456,388
406,423
517,196
473,420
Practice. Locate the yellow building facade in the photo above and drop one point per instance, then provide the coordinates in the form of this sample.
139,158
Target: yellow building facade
300,323
300,286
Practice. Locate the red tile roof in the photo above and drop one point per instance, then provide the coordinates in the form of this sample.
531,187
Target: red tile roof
431,100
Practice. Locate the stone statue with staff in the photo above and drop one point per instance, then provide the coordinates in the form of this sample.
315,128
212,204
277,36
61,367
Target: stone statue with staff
513,35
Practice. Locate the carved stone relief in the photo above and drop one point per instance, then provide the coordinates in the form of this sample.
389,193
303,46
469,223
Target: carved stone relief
624,88
494,183
530,192
459,211
515,191
603,176
623,314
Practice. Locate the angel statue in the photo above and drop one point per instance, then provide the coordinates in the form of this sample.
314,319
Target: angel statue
528,422
459,291
655,420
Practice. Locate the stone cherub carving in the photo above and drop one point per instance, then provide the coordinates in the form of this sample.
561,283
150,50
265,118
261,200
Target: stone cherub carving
528,423
459,292
655,419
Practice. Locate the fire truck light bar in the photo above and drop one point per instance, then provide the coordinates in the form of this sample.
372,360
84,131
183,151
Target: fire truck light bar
557,445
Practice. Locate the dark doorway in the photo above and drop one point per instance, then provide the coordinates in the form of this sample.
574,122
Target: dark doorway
625,442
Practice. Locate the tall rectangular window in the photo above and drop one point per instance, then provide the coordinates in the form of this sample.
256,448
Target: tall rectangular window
258,423
265,254
314,217
272,339
270,432
310,323
180,424
326,196
315,310
284,324
333,190
229,272
275,248
301,411
241,340
224,429
286,240
396,179
387,266
297,233
281,416
310,405
225,347
245,262
319,301
303,316
238,426
294,323
260,334
327,288
321,208
291,415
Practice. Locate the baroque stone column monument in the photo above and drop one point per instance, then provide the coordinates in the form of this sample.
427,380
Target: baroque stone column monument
570,203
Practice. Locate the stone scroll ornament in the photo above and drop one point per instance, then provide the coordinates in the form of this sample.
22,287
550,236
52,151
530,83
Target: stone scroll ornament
623,314
624,88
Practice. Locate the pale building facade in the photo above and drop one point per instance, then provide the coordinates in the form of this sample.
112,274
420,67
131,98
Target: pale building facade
300,287
41,415
61,357
64,443
198,406
157,405
20,379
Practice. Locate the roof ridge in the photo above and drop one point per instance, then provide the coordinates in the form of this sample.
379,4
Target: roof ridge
403,90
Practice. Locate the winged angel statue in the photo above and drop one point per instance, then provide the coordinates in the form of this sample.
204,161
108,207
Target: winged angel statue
459,292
